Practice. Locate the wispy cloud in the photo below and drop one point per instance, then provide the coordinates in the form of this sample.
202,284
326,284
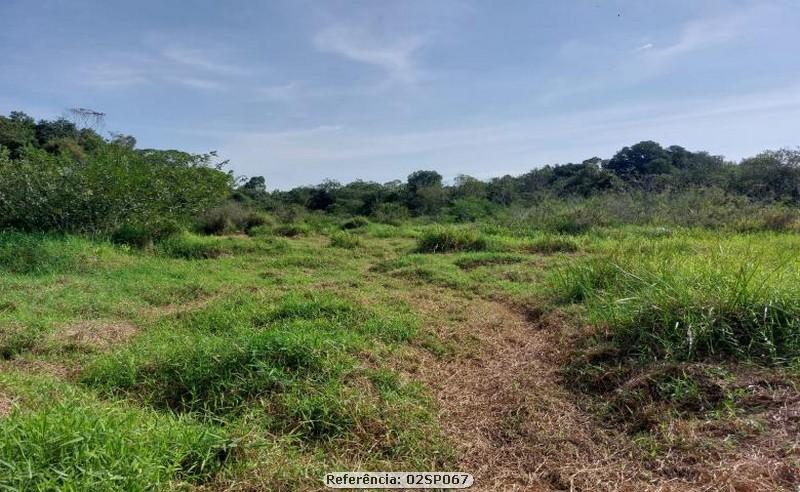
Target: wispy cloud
395,57
113,74
197,83
200,59
193,68
705,33
644,47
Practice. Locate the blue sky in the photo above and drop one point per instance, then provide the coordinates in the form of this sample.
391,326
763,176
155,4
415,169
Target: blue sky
299,91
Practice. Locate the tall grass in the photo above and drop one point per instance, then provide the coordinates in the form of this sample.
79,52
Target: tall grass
61,438
440,239
42,253
739,300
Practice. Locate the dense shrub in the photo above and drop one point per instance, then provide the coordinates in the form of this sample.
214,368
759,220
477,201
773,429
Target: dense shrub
446,239
470,209
231,218
143,236
104,190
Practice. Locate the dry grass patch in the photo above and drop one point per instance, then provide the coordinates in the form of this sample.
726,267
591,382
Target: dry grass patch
503,405
94,335
6,404
38,366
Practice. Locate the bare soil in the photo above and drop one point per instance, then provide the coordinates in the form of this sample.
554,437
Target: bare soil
518,426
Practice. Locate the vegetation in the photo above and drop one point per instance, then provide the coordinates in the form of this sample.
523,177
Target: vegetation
163,327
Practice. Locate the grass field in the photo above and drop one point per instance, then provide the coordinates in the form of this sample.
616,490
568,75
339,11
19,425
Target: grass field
624,358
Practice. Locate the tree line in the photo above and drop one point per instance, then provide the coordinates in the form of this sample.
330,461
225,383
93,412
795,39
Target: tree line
645,167
56,175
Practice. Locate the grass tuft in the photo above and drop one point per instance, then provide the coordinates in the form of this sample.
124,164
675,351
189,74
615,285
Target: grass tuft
61,438
441,239
345,240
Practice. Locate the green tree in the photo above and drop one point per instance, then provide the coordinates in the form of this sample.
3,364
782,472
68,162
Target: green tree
642,159
426,195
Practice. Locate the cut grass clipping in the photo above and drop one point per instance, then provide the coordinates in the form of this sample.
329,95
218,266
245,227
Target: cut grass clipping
62,438
450,239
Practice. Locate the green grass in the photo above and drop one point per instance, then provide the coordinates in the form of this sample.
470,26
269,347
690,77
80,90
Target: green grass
299,351
62,438
448,239
737,299
345,240
553,244
37,254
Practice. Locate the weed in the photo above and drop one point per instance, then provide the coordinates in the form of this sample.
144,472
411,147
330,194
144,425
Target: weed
441,239
553,244
345,240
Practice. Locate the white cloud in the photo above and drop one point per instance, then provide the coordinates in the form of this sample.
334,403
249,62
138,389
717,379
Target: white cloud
394,57
197,83
701,34
114,74
644,47
188,68
199,59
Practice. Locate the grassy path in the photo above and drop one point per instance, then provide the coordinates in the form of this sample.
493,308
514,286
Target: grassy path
503,405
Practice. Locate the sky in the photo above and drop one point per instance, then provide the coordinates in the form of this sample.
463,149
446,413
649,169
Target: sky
299,91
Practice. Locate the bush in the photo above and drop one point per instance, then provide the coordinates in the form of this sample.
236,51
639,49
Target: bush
292,230
446,239
143,236
391,213
231,218
470,209
112,186
356,222
346,240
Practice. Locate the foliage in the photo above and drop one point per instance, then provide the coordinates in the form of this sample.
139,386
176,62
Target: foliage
109,188
232,217
448,239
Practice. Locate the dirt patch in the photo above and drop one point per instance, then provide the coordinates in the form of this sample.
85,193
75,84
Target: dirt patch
34,366
97,335
505,408
468,264
519,425
6,405
182,307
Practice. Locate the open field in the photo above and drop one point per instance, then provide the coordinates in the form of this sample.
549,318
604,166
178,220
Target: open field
623,358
